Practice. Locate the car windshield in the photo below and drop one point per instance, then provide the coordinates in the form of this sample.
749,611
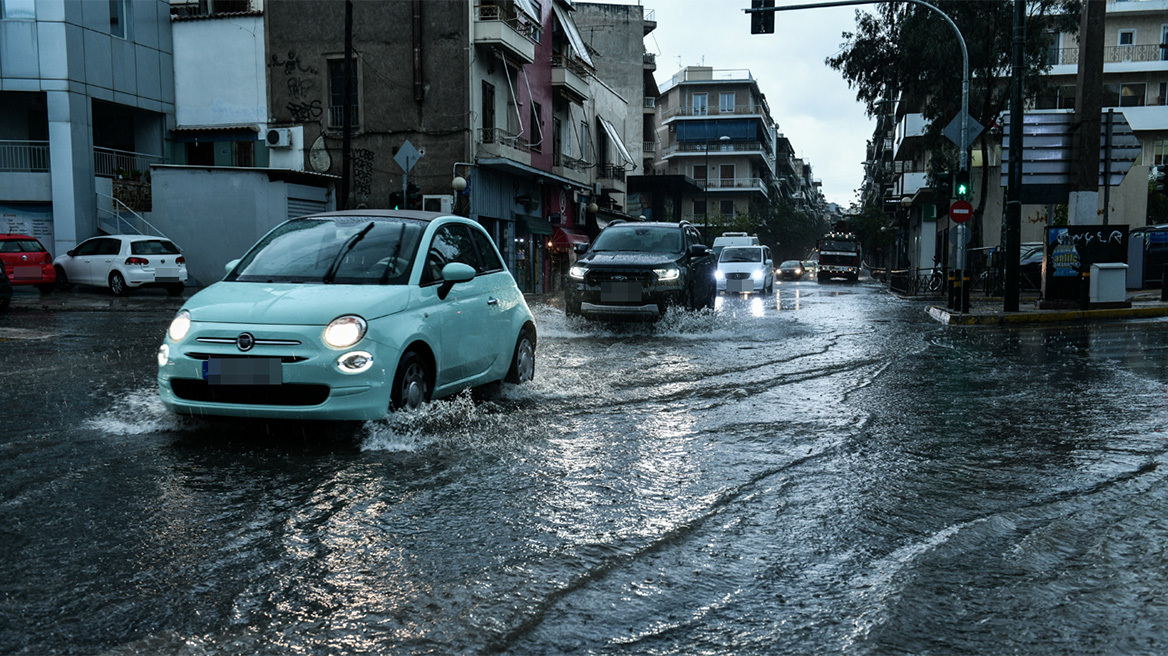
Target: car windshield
791,264
20,246
838,246
731,254
342,250
644,239
153,247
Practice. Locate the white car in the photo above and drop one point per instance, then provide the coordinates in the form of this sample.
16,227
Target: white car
745,270
122,263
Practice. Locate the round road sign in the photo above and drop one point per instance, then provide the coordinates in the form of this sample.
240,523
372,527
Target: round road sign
960,211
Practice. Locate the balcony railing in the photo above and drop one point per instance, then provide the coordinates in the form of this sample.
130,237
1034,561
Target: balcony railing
30,156
1113,54
610,172
737,110
700,147
503,138
731,184
650,102
110,163
561,160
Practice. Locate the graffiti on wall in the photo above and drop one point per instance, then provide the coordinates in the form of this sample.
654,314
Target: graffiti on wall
362,163
304,103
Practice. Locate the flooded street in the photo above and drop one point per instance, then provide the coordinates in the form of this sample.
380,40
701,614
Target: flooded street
825,471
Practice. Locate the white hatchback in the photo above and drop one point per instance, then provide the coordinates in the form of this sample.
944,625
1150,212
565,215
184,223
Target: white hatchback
745,270
122,263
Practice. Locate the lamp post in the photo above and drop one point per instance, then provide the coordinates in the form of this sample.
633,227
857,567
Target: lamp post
706,198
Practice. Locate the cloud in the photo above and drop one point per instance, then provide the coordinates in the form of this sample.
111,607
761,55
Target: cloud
810,102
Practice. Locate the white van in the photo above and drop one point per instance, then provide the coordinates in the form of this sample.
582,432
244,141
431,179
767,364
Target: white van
734,239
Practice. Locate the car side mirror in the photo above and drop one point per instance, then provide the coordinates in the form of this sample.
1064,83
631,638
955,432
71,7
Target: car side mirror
453,273
71,253
699,250
229,266
580,248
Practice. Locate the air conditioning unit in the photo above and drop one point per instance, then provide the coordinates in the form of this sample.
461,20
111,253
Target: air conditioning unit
279,138
438,203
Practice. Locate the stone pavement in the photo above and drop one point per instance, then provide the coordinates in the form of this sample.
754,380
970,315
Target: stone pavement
988,311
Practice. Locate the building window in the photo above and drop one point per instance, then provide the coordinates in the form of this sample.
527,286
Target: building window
1124,95
1163,45
336,78
585,142
1162,97
119,19
726,175
201,153
699,175
536,136
1160,152
488,112
243,153
18,9
699,208
700,108
727,209
726,103
1126,38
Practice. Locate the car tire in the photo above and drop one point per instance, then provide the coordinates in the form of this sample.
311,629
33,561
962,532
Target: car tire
117,284
175,289
411,384
62,283
46,288
523,360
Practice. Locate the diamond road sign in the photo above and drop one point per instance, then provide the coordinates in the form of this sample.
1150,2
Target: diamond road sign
953,130
407,156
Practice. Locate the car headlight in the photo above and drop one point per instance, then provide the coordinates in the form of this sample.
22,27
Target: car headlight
179,326
345,331
718,275
757,275
670,273
577,272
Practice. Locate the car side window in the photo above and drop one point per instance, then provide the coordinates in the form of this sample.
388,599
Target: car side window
89,247
110,247
490,262
451,243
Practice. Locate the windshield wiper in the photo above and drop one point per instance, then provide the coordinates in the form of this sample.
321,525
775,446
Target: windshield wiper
345,248
393,258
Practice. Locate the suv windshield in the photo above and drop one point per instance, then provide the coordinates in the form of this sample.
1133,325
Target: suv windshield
732,254
643,239
345,250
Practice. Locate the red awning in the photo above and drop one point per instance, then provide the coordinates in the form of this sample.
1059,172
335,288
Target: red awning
564,238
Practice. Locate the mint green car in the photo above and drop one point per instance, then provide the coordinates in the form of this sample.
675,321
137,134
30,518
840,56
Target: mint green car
347,315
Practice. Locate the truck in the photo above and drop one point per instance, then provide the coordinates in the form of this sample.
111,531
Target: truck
839,256
733,239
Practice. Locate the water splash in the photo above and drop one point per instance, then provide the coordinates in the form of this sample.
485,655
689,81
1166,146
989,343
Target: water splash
138,412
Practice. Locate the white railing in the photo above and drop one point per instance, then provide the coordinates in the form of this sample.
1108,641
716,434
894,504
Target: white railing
111,163
504,138
31,156
122,220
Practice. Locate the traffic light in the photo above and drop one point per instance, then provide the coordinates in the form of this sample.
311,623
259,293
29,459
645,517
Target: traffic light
762,22
961,185
413,197
395,200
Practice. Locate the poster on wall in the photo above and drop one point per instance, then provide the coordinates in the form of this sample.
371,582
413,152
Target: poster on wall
1071,250
35,220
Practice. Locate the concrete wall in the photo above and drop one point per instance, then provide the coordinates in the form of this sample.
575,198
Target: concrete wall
229,88
215,215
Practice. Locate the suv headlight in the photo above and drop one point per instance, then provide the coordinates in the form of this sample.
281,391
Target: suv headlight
345,331
577,272
667,274
719,275
757,275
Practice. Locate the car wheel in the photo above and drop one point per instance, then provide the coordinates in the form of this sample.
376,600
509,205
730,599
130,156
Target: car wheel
46,288
411,383
523,361
63,283
175,289
117,284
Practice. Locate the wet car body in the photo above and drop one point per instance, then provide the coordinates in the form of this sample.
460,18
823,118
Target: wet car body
121,263
638,270
388,324
792,270
745,269
27,262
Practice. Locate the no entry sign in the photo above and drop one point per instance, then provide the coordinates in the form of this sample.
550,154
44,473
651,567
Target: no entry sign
960,211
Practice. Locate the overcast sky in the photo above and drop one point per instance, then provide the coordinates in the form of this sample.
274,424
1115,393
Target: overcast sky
810,102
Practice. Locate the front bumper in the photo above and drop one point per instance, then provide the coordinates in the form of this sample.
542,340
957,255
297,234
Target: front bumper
311,385
651,302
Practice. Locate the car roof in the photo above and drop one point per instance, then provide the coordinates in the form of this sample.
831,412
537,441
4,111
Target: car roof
417,215
644,224
13,236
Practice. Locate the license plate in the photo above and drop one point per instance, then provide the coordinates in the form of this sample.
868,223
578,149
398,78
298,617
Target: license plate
165,278
26,273
243,371
746,285
166,274
620,292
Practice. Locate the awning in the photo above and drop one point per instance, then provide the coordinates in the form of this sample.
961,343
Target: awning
533,224
565,238
574,39
614,136
528,7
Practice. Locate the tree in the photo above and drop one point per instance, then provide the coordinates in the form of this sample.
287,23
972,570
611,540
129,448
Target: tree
909,50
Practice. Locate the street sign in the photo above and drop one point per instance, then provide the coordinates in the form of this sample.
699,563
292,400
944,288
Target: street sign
952,132
407,156
960,211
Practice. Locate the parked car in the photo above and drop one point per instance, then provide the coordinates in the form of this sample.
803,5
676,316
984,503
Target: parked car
792,270
123,262
27,262
345,315
639,269
745,269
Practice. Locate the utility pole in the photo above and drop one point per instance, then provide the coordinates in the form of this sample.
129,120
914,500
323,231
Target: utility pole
346,108
1084,198
1012,236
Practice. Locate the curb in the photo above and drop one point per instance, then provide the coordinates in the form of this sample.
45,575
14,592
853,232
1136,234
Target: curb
948,318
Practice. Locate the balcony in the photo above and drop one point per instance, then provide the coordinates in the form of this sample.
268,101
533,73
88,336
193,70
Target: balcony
611,177
111,163
649,61
737,110
497,142
571,77
736,184
494,27
24,156
699,148
1149,52
569,167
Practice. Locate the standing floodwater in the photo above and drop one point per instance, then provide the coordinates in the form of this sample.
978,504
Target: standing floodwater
821,471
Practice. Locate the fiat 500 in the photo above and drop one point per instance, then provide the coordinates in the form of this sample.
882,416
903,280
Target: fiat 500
346,315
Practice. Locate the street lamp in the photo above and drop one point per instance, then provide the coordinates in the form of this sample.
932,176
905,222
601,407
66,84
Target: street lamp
706,198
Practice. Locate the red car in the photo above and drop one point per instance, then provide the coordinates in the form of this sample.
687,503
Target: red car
27,262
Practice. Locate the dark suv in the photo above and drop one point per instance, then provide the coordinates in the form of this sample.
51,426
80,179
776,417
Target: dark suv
637,269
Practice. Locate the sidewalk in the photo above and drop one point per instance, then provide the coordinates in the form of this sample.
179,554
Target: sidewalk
988,311
96,300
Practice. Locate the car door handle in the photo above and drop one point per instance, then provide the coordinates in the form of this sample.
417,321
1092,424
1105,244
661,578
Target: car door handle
492,301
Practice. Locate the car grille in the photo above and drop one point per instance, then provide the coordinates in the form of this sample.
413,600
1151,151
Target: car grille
286,359
737,276
598,276
280,395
